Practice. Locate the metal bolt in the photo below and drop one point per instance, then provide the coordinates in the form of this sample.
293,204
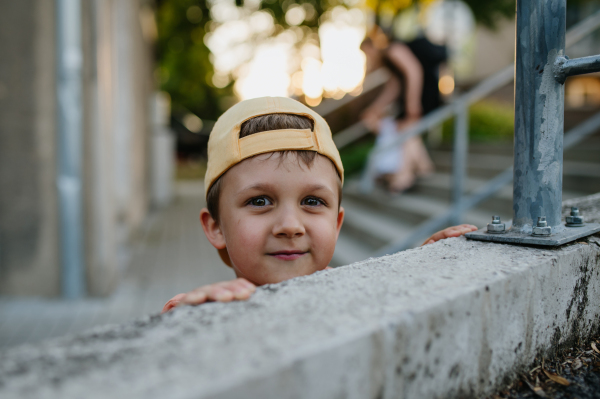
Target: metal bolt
542,222
542,228
575,220
496,227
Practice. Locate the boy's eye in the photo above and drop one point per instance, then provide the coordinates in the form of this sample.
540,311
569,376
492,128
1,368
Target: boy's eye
259,201
312,201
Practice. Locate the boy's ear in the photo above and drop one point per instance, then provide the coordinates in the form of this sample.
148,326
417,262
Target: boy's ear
340,220
212,230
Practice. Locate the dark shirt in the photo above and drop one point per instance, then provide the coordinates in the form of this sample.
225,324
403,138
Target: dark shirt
430,56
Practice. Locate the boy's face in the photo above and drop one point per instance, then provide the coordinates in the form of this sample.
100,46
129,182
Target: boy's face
278,218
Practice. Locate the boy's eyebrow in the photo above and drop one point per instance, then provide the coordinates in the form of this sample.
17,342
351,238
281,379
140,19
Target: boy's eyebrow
268,186
316,187
257,186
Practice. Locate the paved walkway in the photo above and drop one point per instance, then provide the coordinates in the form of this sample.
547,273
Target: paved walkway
171,256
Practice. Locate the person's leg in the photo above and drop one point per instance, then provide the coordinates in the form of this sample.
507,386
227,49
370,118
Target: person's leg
423,163
404,177
388,159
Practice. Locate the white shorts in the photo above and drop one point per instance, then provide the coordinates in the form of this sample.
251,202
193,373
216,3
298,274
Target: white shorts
389,160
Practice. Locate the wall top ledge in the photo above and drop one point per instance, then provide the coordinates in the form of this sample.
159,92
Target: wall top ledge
448,319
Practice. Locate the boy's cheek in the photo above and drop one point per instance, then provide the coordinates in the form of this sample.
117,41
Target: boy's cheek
246,246
244,233
324,232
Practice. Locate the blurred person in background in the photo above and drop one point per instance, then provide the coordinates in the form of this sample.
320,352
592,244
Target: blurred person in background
413,91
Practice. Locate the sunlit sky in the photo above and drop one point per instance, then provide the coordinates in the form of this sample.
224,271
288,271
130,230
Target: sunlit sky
267,60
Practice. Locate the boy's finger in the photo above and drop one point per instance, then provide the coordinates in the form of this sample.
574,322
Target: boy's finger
195,298
242,294
241,284
169,305
220,294
240,291
462,229
247,284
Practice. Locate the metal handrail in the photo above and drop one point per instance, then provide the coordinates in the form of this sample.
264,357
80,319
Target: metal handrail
375,79
481,90
460,109
572,137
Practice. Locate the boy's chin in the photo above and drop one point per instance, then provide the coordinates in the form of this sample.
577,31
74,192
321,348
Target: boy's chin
281,270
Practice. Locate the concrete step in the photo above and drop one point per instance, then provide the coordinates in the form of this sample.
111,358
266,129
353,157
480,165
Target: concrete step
490,163
439,185
415,208
407,206
349,250
585,151
376,219
368,223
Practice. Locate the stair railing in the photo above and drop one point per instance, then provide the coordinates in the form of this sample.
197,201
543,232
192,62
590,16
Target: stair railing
459,109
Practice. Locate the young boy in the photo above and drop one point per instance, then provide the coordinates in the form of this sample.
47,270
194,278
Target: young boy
273,192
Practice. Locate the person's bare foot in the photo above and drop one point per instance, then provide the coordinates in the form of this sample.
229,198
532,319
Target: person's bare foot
425,168
401,181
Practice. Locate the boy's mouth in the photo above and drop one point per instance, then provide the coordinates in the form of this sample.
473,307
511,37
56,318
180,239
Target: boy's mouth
288,255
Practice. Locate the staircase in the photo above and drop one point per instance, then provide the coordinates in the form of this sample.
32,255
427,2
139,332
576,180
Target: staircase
375,220
378,223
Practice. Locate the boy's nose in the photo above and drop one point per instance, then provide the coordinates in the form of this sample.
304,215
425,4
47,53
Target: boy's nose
289,225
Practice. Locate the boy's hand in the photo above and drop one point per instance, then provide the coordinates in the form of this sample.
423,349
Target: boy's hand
454,231
226,291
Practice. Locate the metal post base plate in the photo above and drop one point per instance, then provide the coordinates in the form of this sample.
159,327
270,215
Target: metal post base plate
510,237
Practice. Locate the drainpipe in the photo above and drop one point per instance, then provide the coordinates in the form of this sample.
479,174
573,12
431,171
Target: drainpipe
70,111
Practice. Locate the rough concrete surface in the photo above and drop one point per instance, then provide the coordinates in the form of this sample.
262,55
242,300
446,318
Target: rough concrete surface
451,319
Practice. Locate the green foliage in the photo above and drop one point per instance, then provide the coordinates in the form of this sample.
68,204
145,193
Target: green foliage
488,121
278,7
490,12
184,69
354,156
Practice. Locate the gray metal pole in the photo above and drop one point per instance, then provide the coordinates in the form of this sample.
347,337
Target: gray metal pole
539,114
459,158
564,67
69,88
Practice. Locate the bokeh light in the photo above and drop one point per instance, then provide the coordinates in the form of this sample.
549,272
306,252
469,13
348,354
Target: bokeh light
266,59
446,85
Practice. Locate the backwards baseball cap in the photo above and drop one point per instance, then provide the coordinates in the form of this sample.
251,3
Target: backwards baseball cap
226,149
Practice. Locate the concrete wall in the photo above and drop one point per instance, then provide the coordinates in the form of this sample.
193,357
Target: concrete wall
29,258
118,85
454,319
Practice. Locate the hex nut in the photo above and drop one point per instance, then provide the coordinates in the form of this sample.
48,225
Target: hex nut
575,220
542,228
542,231
496,227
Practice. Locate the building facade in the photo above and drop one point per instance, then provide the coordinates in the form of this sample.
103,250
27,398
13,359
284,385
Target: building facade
111,139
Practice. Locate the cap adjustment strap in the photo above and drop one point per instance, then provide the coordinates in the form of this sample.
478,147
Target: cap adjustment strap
277,140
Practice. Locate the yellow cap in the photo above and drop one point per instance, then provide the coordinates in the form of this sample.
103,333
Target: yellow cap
226,149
